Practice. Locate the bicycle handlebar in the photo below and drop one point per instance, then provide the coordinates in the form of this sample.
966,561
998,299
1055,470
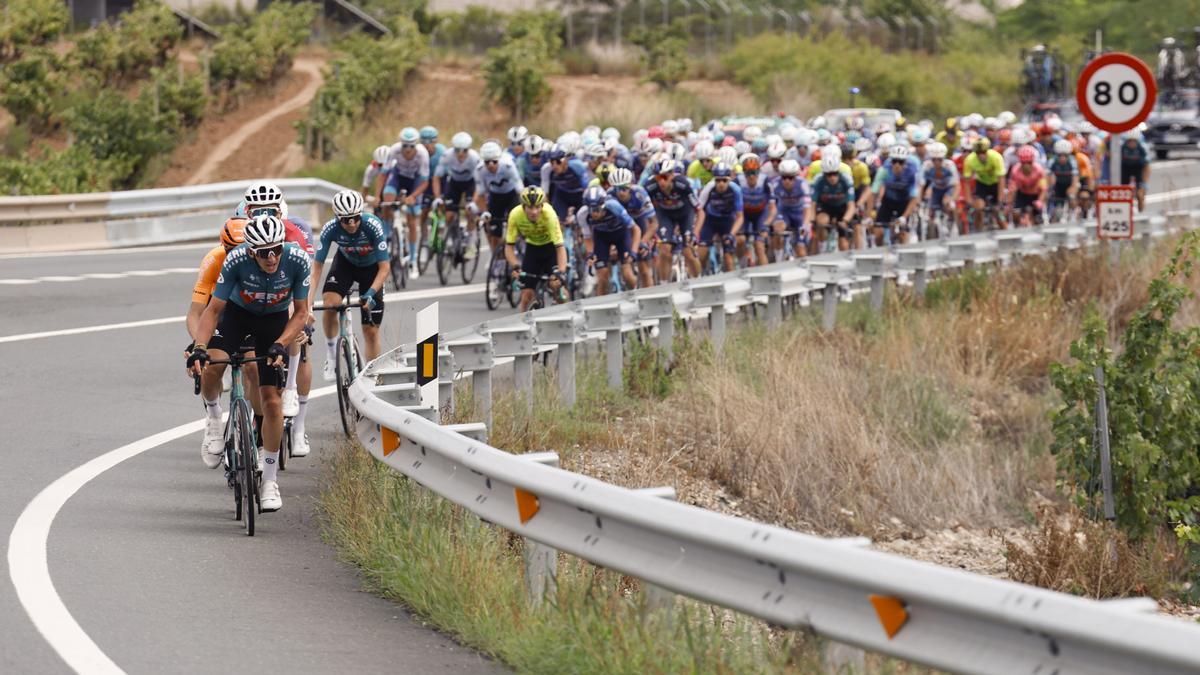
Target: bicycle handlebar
348,302
237,361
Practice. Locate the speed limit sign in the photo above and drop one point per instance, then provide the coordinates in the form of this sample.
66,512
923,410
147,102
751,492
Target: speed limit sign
1116,92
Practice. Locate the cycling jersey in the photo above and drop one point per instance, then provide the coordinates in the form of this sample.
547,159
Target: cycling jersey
530,169
836,193
613,218
681,195
755,199
696,171
1031,183
1064,170
986,172
366,247
416,168
814,171
1133,154
941,178
458,169
502,180
721,204
572,181
792,201
370,173
545,230
1085,165
861,173
210,269
435,158
243,282
896,187
638,205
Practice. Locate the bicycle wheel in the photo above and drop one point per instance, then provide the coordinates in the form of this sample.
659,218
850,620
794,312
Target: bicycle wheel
468,266
446,254
426,251
285,449
233,449
343,367
396,264
494,287
248,459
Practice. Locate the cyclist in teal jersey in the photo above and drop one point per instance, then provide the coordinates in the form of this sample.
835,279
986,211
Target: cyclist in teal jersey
257,283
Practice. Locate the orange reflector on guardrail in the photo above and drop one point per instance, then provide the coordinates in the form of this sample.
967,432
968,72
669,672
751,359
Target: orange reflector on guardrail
527,505
892,614
391,441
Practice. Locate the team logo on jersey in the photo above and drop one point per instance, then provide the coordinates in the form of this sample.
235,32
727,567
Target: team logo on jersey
220,278
306,281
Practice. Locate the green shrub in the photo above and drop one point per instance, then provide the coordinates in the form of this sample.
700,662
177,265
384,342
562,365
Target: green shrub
515,72
127,50
121,132
30,23
263,50
31,86
70,171
664,53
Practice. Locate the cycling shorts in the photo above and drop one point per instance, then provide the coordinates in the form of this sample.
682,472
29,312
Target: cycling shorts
675,227
343,274
1131,174
1061,191
793,220
715,226
455,192
889,211
397,184
835,212
754,223
261,330
538,261
990,194
937,199
603,242
562,202
1023,201
500,204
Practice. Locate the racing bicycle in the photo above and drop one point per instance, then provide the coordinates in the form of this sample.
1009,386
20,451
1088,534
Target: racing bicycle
349,359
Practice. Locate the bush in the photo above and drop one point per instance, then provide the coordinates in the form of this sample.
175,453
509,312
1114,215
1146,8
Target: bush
262,50
122,133
515,72
367,73
30,23
31,87
70,171
142,39
664,53
953,83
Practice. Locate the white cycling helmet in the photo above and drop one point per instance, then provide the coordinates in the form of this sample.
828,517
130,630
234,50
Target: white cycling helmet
727,155
677,151
705,150
264,231
262,193
817,122
832,150
461,141
830,163
347,203
381,154
1054,124
620,177
918,136
789,167
787,133
652,145
517,134
569,142
937,151
1063,147
610,132
535,144
1007,117
742,147
490,151
806,137
409,135
597,151
704,135
670,127
751,133
898,152
776,151
885,142
863,144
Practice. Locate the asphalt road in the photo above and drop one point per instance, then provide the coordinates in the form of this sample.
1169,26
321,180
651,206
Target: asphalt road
146,556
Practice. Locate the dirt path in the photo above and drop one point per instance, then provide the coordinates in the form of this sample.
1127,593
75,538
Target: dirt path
264,124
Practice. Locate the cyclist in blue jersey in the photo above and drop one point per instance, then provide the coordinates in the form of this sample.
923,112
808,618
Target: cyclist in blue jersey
531,161
675,208
758,209
1135,165
258,282
408,172
454,183
896,187
610,228
517,137
435,150
1064,174
362,258
564,179
792,197
497,191
832,208
720,213
637,203
941,183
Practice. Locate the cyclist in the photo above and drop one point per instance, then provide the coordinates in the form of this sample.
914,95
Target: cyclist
1028,186
259,280
410,174
610,228
758,210
951,135
564,179
429,140
1065,173
1135,166
497,187
531,161
454,183
517,136
675,207
832,206
544,250
1086,174
374,169
720,214
897,191
700,169
637,204
362,258
941,184
792,197
986,167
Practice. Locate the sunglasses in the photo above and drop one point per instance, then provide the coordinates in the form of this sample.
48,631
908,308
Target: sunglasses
269,211
788,177
560,160
407,146
750,172
720,180
491,162
349,219
269,251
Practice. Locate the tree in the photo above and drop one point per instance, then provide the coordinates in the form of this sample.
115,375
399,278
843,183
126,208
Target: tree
515,73
30,23
664,53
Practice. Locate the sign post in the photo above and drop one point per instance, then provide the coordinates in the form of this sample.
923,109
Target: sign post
1115,92
427,355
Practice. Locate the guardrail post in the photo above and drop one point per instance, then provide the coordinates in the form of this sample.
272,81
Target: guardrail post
827,274
660,306
829,302
562,331
474,353
921,260
541,561
666,336
1178,221
874,265
566,374
517,342
611,319
614,358
716,321
775,285
719,296
657,597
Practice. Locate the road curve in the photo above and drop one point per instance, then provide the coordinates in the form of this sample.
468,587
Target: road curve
145,556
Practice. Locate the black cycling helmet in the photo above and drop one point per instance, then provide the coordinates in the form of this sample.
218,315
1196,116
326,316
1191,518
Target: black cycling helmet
533,196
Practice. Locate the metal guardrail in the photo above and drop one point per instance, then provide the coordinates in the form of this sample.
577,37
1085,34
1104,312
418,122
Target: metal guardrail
140,217
838,588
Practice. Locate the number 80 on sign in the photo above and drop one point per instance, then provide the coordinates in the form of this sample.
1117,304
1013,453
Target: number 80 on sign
1116,92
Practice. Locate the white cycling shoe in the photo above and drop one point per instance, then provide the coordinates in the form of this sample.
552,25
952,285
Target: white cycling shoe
269,499
212,449
328,372
470,253
300,446
291,403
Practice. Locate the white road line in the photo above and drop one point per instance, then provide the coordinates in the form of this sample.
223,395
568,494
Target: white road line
60,278
395,297
28,558
103,275
147,273
17,282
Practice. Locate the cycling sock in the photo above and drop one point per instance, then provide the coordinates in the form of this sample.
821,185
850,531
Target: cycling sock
293,369
298,420
412,251
330,346
270,465
213,408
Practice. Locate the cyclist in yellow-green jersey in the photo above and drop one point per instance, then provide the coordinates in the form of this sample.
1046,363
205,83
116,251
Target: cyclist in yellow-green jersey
545,254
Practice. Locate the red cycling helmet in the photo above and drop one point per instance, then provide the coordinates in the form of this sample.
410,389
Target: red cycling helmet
728,141
1026,154
655,131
